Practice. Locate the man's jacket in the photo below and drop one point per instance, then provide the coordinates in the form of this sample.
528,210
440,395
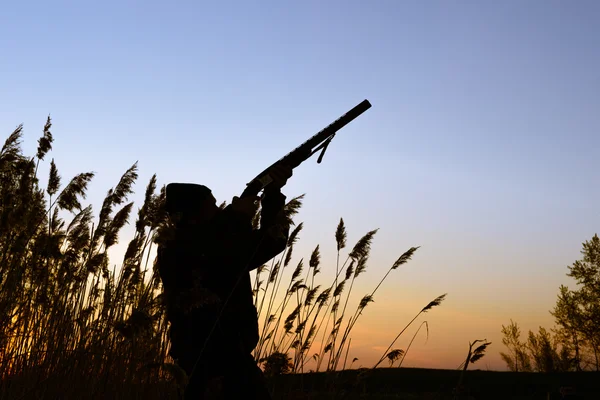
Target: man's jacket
204,267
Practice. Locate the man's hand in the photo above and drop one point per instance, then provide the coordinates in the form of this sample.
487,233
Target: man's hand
247,205
280,174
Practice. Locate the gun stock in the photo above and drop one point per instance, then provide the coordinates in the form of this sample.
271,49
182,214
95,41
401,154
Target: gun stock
317,142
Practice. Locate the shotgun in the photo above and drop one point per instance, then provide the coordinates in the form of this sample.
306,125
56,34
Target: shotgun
317,142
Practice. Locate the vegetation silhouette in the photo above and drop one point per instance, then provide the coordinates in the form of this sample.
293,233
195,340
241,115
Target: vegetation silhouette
573,344
473,355
74,325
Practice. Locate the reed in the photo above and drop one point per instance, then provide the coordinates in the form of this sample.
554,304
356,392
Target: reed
73,322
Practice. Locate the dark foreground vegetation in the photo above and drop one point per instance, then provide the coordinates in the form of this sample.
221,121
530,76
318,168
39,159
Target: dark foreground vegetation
371,384
573,344
76,325
416,383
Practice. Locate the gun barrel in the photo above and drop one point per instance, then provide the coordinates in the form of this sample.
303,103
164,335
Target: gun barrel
345,119
302,152
329,130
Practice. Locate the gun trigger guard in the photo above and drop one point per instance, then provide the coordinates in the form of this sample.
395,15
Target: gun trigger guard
324,147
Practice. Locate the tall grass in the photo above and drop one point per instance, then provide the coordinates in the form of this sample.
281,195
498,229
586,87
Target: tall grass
308,311
72,324
66,316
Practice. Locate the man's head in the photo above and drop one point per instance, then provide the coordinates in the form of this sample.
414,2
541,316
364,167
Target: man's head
190,203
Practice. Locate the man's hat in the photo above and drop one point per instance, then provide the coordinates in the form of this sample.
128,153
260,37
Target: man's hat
185,197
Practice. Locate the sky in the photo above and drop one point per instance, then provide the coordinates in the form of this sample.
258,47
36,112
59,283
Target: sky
480,146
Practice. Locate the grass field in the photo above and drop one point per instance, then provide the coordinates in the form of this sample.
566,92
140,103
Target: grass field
381,383
416,383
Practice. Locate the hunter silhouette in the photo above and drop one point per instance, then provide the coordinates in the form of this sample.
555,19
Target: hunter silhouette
205,269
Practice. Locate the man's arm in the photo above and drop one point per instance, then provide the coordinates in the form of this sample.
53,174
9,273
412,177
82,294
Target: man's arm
272,236
253,248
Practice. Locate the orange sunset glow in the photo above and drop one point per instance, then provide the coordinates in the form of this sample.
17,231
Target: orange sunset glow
300,200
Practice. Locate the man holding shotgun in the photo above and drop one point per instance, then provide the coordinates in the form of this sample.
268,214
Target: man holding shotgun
205,269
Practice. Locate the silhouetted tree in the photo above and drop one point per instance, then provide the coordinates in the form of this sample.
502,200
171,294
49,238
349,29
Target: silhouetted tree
517,359
543,351
577,312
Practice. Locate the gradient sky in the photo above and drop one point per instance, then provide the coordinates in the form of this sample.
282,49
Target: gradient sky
481,144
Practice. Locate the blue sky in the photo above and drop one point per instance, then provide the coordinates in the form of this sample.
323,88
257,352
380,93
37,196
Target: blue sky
480,146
